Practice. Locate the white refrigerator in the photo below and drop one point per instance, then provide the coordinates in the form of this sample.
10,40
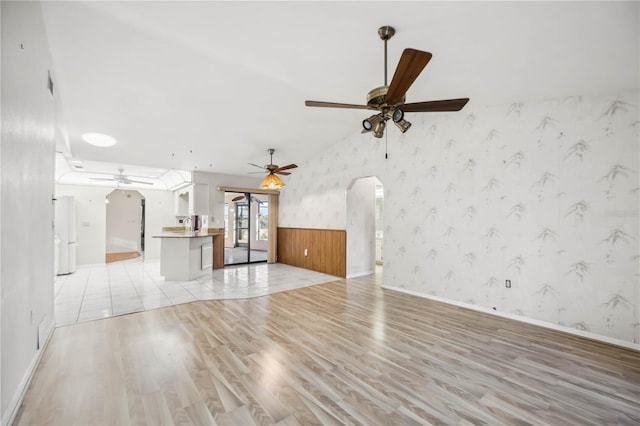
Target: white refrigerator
65,221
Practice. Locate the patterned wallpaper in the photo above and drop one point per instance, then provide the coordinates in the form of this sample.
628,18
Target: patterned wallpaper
543,193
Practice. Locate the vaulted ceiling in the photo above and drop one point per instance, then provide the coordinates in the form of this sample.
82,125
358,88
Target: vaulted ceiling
211,85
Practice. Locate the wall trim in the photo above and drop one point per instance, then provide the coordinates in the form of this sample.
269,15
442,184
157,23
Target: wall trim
361,274
251,190
18,397
533,321
313,229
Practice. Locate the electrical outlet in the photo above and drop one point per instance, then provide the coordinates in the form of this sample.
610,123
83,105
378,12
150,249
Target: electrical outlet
507,283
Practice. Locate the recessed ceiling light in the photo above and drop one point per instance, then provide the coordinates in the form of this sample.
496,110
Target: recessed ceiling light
99,139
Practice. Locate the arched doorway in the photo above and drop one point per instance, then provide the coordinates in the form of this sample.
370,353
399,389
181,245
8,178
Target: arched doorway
125,225
364,226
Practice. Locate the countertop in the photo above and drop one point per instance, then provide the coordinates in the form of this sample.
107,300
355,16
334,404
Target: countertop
186,234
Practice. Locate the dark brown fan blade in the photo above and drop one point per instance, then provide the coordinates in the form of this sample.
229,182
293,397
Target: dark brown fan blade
238,198
282,173
287,167
411,64
435,106
335,105
255,165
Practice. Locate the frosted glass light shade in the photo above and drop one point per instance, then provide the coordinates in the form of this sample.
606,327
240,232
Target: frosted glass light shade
271,182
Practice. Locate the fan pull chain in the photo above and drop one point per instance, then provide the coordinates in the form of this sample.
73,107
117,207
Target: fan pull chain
386,139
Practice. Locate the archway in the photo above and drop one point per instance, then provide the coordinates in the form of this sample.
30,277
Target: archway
364,223
125,225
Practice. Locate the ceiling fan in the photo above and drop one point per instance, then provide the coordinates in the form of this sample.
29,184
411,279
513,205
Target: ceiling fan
390,99
271,181
246,197
121,178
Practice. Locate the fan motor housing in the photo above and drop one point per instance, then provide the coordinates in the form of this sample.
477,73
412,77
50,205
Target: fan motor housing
377,97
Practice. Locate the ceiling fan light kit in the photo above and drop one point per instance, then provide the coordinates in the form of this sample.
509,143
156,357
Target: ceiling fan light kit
369,123
398,119
389,100
272,181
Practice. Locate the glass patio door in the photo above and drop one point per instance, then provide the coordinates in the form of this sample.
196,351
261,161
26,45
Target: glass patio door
242,225
246,228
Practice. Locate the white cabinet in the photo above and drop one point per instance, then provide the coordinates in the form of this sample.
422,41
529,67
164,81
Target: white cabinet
199,201
182,197
182,258
192,200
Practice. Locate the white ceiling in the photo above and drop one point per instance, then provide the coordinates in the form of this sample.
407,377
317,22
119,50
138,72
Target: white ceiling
211,85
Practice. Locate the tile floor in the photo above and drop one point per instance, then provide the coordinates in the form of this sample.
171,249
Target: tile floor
239,255
135,285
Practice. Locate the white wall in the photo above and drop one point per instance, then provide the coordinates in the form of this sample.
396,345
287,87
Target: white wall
124,221
92,221
230,241
544,193
27,176
361,227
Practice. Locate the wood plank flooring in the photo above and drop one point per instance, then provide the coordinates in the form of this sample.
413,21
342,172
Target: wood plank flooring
117,257
345,352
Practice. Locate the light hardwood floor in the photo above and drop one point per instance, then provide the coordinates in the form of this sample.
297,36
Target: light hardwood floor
118,257
345,352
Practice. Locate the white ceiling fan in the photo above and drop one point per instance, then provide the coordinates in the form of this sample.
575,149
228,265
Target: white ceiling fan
122,179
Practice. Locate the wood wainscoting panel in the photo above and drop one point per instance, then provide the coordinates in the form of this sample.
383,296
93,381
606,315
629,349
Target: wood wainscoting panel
218,247
326,249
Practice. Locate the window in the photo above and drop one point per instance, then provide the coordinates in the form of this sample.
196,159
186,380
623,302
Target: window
262,226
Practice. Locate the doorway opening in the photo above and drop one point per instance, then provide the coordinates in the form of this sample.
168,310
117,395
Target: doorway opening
246,227
125,225
379,223
365,219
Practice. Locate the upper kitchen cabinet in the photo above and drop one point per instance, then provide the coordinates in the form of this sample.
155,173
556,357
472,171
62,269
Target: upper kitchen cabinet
199,201
192,200
181,204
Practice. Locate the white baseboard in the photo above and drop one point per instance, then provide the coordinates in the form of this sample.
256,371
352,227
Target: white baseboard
569,330
360,274
16,401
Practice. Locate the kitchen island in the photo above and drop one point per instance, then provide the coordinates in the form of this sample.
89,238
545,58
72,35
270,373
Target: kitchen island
184,256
